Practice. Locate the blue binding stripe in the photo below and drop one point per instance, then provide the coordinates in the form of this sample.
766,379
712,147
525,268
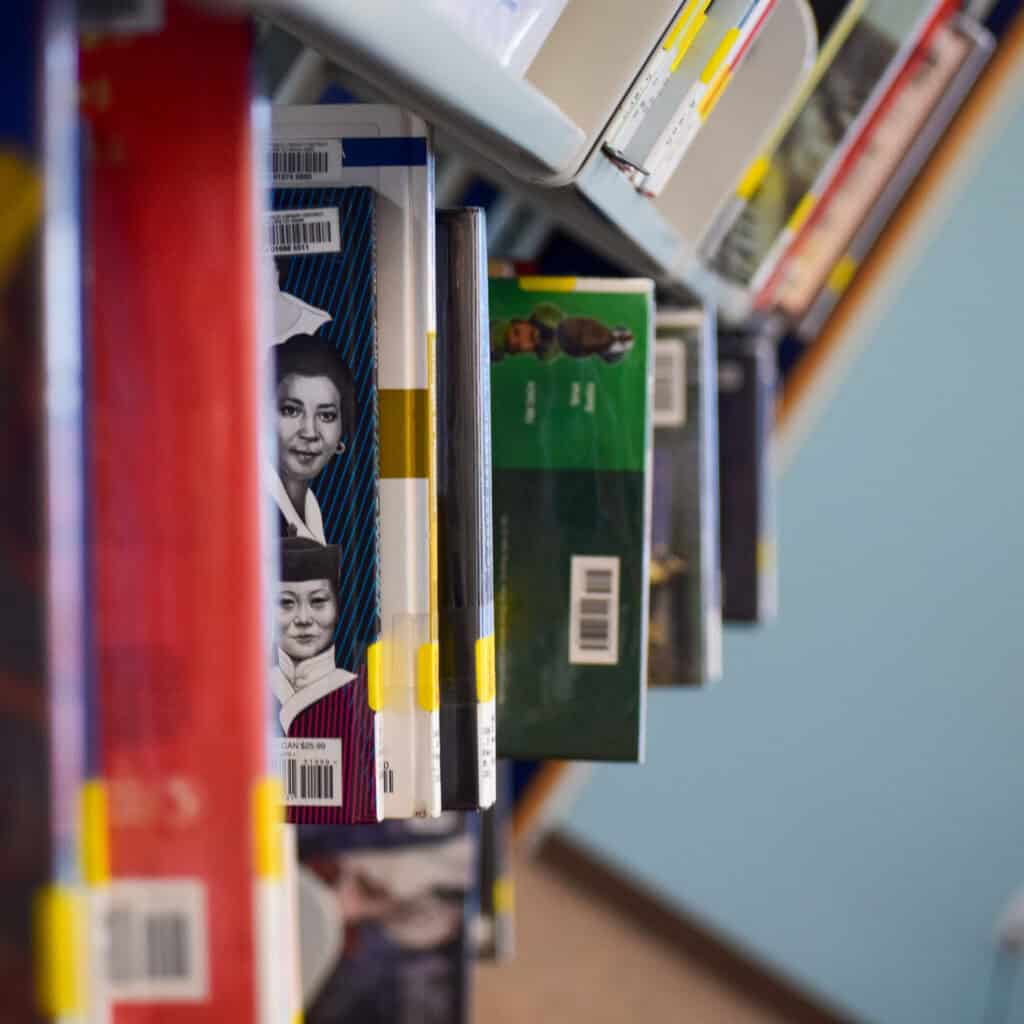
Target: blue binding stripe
401,151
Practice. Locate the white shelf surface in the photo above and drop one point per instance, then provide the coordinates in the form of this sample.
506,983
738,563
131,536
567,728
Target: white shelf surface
417,59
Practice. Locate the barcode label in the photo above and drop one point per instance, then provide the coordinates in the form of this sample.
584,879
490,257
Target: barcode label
486,738
301,232
669,383
594,610
387,777
306,162
120,15
311,772
156,941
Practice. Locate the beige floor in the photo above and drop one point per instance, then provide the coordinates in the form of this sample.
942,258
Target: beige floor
579,962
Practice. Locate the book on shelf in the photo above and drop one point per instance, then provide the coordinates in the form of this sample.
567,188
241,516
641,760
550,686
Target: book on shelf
465,570
387,151
570,416
492,928
685,647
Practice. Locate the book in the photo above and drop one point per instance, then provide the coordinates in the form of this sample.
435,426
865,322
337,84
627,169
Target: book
398,892
325,673
746,413
175,525
685,645
974,44
492,929
571,425
926,79
465,571
861,63
387,150
43,584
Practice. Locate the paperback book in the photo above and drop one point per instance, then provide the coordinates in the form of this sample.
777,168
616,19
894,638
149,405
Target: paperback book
465,595
685,646
570,416
387,151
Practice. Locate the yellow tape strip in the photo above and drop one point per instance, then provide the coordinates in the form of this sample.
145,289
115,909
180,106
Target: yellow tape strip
713,95
298,1017
801,213
503,895
765,555
547,284
59,935
485,669
841,275
21,208
691,33
405,435
752,177
719,55
95,844
428,687
374,677
680,24
268,817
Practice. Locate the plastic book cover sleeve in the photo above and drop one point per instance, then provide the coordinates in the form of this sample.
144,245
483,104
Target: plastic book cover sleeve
685,629
325,488
175,529
571,445
465,594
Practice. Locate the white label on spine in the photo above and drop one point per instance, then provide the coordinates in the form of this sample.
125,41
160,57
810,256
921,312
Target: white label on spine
669,383
594,610
157,947
311,771
486,736
306,162
675,139
302,232
641,98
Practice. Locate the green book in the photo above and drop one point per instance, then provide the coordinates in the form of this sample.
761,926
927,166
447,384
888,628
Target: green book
571,440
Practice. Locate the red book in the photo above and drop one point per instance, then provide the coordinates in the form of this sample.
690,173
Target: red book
174,399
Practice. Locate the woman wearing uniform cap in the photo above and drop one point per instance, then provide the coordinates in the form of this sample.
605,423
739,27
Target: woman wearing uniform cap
315,414
307,615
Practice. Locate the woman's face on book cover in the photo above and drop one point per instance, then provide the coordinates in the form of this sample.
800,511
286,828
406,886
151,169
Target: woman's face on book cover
307,613
308,425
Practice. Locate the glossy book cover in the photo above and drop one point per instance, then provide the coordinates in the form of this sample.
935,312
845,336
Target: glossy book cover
325,672
570,411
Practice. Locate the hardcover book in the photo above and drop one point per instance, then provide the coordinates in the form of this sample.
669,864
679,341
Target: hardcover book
325,674
465,597
175,526
386,150
746,413
686,611
570,416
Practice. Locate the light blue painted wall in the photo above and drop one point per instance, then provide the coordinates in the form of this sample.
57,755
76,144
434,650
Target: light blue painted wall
849,802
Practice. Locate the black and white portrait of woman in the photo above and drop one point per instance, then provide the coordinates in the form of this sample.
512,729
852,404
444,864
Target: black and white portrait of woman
315,415
307,615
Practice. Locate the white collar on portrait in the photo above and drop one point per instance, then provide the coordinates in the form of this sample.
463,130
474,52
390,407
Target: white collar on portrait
309,525
291,314
297,684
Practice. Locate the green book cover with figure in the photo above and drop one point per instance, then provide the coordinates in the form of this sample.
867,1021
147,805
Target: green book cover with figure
571,442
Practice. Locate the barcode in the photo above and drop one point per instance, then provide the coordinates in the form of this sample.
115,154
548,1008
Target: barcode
307,782
298,236
298,162
669,403
156,940
388,778
594,610
301,232
311,771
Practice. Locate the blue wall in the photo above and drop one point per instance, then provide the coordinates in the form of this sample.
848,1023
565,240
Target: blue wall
849,802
